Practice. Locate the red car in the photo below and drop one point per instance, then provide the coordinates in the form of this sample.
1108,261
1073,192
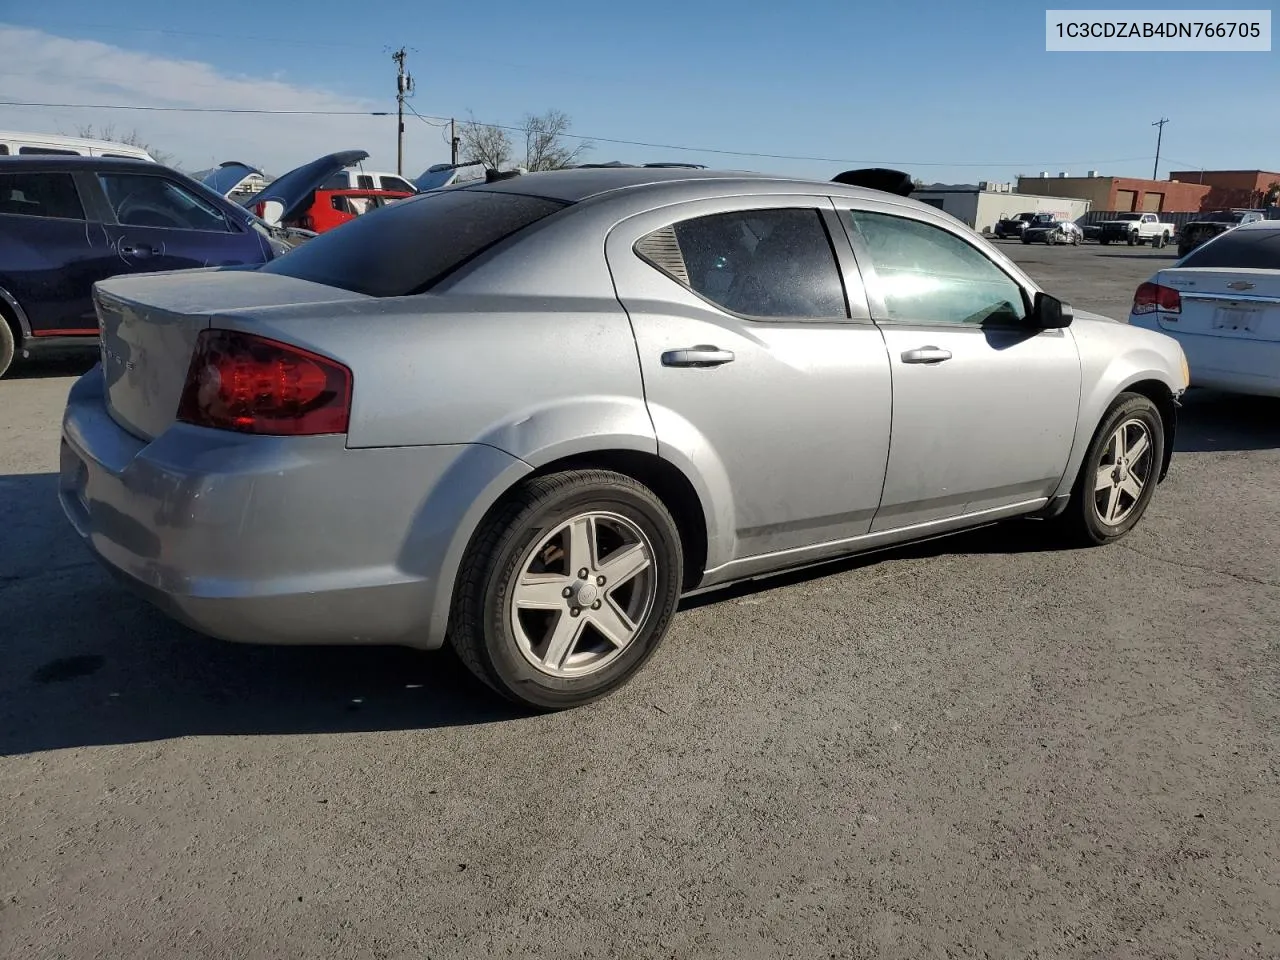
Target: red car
332,208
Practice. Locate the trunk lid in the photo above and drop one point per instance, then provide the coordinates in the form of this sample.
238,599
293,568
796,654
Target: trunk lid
293,190
1240,304
150,323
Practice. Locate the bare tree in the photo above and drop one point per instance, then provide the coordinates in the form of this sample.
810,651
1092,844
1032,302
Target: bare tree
544,146
544,143
133,139
485,144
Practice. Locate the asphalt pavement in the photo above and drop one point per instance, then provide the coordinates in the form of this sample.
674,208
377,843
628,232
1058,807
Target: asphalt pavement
977,747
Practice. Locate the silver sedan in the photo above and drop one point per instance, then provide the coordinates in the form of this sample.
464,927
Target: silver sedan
525,417
1053,232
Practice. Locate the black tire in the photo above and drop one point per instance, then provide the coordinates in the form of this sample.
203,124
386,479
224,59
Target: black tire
1183,251
1080,523
8,345
1134,239
479,628
1104,241
1026,240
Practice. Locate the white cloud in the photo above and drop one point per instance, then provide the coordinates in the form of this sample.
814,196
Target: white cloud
41,67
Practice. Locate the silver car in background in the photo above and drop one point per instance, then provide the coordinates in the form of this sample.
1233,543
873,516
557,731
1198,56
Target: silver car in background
1052,231
526,416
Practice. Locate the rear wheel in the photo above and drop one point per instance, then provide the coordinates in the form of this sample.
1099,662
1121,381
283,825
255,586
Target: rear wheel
568,588
8,345
1119,473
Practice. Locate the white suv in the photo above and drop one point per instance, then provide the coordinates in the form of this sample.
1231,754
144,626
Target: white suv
353,178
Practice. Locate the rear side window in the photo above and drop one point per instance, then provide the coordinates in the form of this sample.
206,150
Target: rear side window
1239,250
47,152
40,195
407,247
4,149
773,264
365,182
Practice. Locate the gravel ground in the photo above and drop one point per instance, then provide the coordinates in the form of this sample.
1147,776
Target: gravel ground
972,748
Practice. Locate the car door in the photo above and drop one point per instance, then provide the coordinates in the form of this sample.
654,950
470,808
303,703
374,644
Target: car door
757,366
52,251
984,406
160,224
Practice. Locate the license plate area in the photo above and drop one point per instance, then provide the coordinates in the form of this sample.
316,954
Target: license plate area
1237,318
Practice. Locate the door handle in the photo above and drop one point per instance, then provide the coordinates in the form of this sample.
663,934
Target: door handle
136,250
926,355
702,355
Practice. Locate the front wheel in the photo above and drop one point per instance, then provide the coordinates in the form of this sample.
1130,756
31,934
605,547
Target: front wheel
568,588
1119,473
8,346
1134,239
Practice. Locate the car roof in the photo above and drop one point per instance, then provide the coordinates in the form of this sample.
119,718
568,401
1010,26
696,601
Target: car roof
1254,225
50,162
577,184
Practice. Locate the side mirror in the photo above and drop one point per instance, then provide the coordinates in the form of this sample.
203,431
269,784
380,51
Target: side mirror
1050,313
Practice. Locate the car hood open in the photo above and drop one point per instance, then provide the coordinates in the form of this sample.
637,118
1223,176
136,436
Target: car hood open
293,190
226,177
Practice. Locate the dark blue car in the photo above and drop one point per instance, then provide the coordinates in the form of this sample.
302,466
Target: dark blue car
67,222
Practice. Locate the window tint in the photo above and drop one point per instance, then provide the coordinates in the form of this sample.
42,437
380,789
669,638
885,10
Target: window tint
140,200
757,263
365,182
40,195
395,183
4,149
407,247
928,275
47,152
1238,249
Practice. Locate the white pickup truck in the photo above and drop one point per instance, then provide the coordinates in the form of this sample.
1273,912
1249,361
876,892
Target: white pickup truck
1135,228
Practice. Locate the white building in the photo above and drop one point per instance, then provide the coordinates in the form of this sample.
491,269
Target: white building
980,205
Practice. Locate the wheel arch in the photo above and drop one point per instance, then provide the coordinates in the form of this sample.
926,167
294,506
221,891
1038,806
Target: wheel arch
672,485
1158,392
12,313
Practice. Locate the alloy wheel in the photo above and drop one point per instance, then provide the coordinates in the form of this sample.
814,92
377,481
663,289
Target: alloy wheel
1123,472
583,594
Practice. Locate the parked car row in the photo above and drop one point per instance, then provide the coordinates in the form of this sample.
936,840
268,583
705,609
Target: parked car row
71,217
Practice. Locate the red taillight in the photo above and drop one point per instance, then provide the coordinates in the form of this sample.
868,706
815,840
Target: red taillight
238,381
1152,297
259,209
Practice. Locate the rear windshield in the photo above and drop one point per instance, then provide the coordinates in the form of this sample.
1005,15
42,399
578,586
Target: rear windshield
406,247
1242,249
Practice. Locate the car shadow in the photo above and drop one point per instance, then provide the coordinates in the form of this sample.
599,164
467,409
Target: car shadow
83,662
1224,422
73,362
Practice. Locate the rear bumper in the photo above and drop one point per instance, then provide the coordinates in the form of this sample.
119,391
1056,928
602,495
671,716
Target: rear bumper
271,539
1230,364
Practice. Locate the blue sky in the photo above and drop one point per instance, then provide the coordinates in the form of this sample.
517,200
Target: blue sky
950,91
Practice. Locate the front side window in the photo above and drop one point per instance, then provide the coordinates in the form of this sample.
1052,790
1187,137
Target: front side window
141,200
773,264
929,275
40,195
395,183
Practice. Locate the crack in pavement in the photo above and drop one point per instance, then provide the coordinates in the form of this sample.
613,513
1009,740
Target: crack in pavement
1187,564
8,579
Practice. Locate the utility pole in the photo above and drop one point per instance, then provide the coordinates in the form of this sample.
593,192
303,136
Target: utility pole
404,88
1155,173
453,142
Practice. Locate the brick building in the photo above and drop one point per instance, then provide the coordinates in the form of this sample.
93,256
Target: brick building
1231,188
1122,193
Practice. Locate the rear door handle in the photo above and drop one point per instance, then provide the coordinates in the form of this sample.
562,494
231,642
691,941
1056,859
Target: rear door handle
702,355
136,250
926,355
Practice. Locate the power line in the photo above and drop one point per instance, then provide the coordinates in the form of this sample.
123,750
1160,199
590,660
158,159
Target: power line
427,118
127,106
